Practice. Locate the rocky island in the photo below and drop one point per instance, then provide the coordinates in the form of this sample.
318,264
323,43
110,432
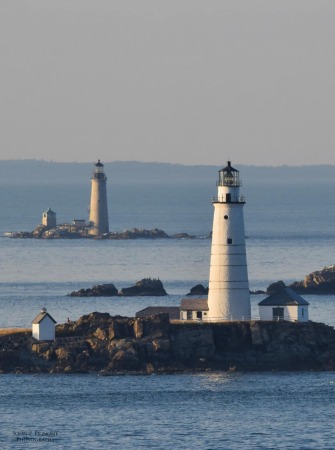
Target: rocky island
320,282
73,231
146,287
110,345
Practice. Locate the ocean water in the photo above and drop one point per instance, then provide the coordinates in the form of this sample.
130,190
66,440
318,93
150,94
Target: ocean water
290,233
203,411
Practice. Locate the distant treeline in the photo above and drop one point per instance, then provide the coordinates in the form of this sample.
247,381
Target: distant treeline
40,172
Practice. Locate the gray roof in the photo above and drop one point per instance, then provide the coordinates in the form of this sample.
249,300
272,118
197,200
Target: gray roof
285,296
173,311
194,304
41,316
49,211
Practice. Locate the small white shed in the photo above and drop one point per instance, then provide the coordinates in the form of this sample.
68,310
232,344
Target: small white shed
284,305
43,326
193,309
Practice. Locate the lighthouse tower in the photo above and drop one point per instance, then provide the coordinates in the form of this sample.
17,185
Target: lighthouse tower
98,206
228,296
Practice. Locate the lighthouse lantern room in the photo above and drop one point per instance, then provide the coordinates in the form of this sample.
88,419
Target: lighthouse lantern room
228,296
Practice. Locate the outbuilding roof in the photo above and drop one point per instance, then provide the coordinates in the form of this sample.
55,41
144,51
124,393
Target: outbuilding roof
194,304
42,316
173,311
285,296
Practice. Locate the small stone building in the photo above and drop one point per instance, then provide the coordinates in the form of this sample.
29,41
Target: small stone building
193,309
43,326
49,218
284,305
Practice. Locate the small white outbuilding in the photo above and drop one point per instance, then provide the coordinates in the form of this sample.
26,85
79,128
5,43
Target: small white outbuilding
193,309
44,326
284,305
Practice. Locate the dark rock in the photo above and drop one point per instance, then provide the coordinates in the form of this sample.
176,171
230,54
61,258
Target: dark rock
319,282
198,289
275,287
99,290
145,287
156,326
125,360
189,342
139,233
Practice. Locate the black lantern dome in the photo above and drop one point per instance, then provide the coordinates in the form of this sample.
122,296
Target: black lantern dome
228,176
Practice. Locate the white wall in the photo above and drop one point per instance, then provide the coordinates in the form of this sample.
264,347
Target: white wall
291,313
183,315
228,297
98,207
45,330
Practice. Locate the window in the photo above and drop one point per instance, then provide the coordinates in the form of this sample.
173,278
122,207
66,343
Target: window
199,314
302,312
189,315
226,217
229,241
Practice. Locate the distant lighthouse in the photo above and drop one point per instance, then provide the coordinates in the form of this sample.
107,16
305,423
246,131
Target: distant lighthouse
98,206
228,296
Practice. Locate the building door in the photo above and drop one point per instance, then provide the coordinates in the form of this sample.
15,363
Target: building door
228,198
278,313
189,315
199,315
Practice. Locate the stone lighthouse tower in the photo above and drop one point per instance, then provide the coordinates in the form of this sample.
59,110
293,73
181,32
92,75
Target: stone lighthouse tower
98,206
228,296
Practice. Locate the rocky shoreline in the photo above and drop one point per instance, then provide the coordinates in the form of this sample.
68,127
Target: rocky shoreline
107,345
70,231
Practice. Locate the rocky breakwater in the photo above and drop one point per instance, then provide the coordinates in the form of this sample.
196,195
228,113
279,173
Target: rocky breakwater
101,343
146,287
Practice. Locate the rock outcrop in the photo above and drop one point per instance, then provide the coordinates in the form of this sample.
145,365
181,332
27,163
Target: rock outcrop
101,343
138,233
275,287
319,282
99,290
198,289
146,287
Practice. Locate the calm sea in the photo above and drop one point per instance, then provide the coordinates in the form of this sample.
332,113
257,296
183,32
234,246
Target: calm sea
290,232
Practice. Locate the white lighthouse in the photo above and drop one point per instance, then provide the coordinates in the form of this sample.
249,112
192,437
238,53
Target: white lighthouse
98,206
228,296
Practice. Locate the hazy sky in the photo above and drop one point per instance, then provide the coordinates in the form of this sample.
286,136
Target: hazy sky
185,81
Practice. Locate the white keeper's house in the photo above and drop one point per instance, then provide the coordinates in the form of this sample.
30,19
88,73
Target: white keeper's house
284,305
